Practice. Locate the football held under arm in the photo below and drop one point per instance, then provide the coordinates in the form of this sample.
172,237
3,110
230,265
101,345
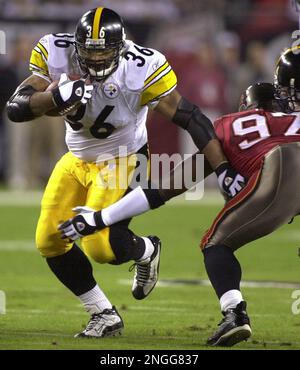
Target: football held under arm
27,102
32,100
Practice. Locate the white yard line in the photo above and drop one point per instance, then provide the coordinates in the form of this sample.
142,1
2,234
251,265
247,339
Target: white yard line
29,246
20,198
17,245
245,284
33,198
137,308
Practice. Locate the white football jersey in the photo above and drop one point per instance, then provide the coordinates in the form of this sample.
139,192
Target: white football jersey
116,114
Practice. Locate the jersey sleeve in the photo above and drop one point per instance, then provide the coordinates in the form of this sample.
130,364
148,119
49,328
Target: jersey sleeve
160,80
38,63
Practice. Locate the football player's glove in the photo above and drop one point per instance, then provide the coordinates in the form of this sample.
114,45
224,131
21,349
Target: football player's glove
230,181
81,225
68,93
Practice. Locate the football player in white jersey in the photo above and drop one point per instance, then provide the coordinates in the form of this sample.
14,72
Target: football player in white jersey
106,86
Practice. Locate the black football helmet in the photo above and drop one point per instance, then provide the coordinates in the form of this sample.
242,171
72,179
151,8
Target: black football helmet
99,42
262,95
287,76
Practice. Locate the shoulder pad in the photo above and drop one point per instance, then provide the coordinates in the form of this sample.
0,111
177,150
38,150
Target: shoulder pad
149,72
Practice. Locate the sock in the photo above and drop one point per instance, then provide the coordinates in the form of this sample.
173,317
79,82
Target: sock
74,270
125,244
223,269
230,299
134,203
95,301
149,249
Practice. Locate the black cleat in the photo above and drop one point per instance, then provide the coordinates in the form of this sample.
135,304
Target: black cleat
104,324
146,272
234,328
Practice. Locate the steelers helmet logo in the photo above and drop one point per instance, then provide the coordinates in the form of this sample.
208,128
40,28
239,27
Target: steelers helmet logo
111,90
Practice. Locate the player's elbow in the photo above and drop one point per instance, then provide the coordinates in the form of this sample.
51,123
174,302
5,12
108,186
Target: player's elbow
18,106
189,117
14,113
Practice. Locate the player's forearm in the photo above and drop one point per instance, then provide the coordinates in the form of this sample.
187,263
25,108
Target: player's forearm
27,104
189,167
140,200
214,153
29,100
41,102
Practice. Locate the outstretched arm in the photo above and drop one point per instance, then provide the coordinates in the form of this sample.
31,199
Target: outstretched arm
189,117
138,201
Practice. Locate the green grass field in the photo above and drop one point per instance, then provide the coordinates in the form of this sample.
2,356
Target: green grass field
179,313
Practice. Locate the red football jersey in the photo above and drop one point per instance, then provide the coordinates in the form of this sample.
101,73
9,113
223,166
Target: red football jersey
247,136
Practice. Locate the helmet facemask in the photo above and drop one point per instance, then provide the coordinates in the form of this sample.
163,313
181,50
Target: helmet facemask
287,79
291,95
97,59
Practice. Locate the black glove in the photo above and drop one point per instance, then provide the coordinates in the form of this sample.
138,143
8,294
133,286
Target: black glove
230,181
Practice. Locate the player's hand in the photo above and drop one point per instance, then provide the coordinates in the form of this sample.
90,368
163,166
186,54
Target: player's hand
230,181
68,93
81,225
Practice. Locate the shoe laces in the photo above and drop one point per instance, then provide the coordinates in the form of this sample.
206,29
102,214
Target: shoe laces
93,321
96,317
142,272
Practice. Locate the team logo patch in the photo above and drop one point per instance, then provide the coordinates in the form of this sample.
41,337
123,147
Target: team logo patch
80,226
78,91
111,90
228,181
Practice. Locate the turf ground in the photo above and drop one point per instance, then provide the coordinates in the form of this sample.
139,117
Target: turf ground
180,313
